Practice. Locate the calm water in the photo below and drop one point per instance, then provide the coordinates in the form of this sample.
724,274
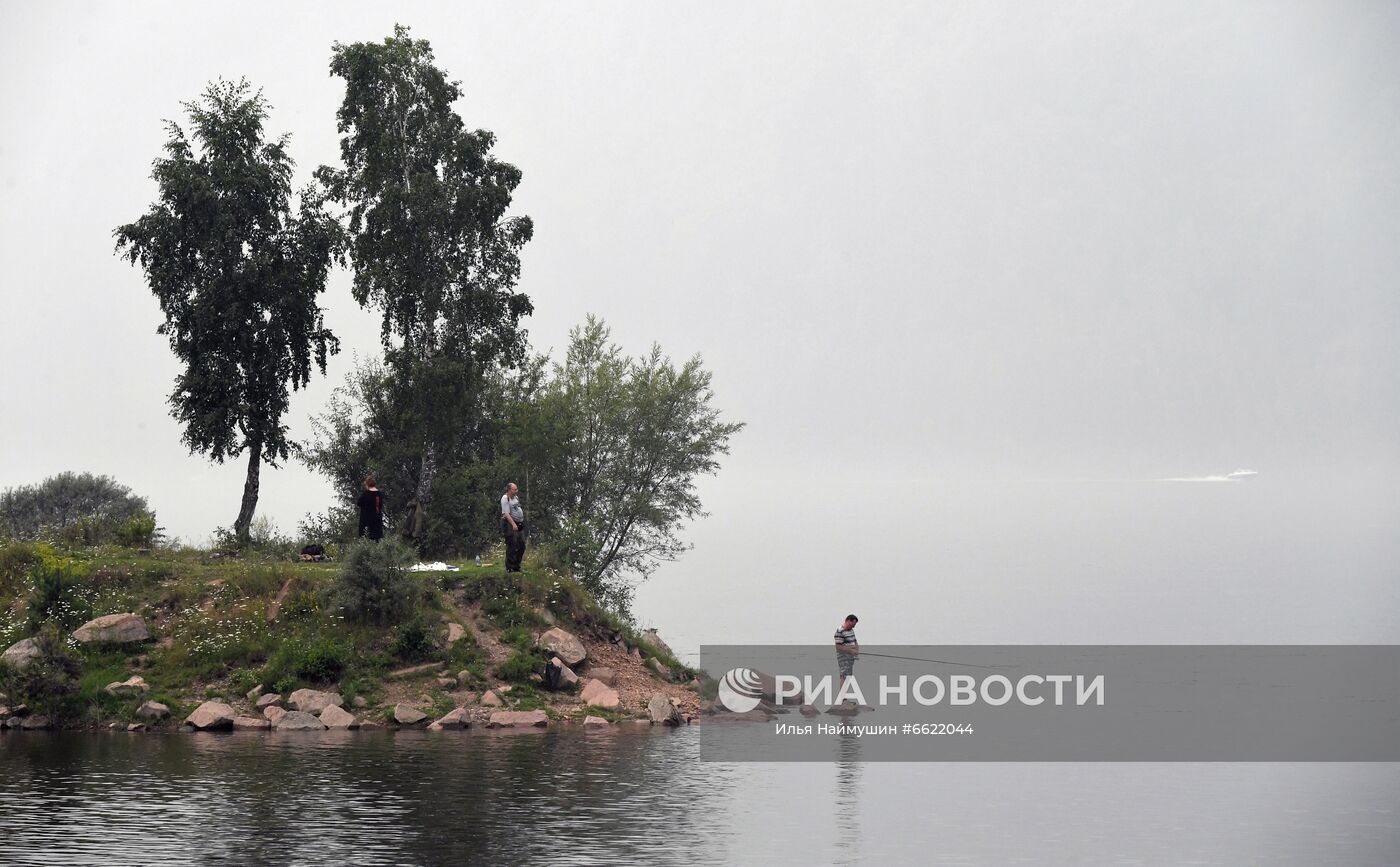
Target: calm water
638,795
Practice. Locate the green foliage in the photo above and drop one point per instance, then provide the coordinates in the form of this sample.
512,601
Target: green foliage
520,665
236,271
412,641
615,445
315,660
17,561
79,507
58,598
432,249
138,531
49,684
374,584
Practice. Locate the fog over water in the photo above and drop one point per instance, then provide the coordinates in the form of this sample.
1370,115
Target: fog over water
979,277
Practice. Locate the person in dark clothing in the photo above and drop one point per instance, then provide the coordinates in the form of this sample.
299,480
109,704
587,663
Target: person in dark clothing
371,504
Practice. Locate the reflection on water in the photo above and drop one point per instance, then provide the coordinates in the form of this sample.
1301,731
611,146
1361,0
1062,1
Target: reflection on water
633,794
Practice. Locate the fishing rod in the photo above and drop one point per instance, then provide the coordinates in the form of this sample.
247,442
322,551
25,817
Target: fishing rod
935,661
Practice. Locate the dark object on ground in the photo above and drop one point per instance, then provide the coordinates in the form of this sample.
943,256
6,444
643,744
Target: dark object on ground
314,554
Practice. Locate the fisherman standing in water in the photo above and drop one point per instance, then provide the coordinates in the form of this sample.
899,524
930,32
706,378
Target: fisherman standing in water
847,648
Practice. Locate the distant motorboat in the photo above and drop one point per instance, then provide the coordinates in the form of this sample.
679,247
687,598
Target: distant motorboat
1241,475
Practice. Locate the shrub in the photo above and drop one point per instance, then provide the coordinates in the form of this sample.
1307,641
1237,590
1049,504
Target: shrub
520,665
57,597
319,660
48,684
17,560
79,506
138,531
374,584
412,641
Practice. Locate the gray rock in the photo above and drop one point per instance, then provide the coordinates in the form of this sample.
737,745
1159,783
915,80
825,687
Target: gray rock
599,694
153,710
564,645
405,715
36,722
454,719
566,674
595,721
136,727
312,701
368,726
661,709
13,722
4,712
335,717
112,628
274,713
251,723
21,653
654,640
212,715
660,668
267,699
255,692
297,721
359,703
517,719
490,699
132,686
455,633
604,674
447,682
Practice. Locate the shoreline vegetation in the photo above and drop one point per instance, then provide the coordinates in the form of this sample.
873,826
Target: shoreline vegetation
167,639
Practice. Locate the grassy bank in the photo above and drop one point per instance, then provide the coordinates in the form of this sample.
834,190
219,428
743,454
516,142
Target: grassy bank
223,625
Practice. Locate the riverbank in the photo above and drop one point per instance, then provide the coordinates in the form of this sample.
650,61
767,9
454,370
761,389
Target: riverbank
170,639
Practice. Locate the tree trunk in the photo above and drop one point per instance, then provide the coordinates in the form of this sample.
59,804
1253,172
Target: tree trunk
250,494
426,467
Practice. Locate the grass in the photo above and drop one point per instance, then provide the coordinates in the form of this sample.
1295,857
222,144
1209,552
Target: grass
211,637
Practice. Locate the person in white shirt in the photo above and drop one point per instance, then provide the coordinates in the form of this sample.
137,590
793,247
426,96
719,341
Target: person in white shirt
513,527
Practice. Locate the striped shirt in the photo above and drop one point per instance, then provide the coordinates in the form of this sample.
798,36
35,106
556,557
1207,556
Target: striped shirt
845,636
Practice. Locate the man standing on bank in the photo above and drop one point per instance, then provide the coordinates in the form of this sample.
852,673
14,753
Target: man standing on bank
847,648
513,527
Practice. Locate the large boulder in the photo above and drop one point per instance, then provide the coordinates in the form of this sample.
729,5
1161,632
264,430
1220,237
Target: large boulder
153,710
595,722
603,673
336,717
312,701
112,629
251,723
274,712
405,715
297,721
212,715
502,719
661,709
564,645
660,668
599,694
36,722
132,686
266,699
21,653
490,699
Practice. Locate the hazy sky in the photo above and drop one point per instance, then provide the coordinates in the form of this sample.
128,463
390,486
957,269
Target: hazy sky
914,242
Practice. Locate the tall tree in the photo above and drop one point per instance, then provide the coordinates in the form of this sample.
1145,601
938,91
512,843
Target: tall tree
431,245
615,444
236,271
